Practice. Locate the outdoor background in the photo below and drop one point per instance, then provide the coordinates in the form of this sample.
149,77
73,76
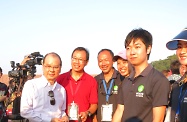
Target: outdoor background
60,26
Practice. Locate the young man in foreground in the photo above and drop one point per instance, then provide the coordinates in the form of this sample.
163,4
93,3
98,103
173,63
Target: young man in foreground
144,94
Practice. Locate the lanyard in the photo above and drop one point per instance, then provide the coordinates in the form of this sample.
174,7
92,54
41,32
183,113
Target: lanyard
71,87
180,99
107,91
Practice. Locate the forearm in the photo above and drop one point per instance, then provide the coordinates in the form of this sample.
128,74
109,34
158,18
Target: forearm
159,113
118,113
93,108
94,118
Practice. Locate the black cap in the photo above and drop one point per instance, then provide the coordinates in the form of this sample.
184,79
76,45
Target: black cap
172,45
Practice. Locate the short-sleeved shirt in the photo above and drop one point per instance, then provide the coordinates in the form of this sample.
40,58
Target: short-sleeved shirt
114,94
83,91
179,95
3,92
141,94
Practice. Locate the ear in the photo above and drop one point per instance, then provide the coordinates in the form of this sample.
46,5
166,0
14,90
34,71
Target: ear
149,49
86,63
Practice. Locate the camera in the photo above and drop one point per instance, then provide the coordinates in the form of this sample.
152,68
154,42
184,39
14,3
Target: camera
26,70
36,59
20,74
18,70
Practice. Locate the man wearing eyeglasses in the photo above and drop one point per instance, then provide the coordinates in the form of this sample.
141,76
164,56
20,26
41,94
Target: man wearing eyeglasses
43,99
81,88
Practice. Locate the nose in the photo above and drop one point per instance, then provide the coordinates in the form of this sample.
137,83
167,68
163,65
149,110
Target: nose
51,68
184,50
131,51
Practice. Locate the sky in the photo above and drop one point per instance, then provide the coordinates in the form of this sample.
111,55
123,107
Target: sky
44,26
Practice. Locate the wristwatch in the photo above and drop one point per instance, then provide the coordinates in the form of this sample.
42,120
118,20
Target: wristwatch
89,113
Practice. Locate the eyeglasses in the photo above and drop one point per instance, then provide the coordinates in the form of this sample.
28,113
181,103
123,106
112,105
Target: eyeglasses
52,67
52,100
77,59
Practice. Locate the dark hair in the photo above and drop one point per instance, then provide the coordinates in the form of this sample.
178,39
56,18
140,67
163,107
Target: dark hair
174,67
165,72
81,49
1,70
141,34
110,51
54,54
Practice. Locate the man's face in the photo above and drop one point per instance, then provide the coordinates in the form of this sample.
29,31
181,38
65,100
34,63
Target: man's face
137,53
51,68
182,52
78,61
105,61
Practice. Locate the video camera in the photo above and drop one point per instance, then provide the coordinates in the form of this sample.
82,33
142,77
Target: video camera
18,70
20,74
36,59
27,69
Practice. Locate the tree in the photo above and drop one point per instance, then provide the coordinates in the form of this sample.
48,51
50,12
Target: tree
164,64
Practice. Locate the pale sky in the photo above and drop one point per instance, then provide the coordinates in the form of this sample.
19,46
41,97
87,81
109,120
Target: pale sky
59,26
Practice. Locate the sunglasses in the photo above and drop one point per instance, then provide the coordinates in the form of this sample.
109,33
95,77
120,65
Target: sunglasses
52,100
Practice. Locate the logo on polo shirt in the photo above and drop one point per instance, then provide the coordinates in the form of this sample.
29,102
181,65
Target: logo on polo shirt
185,100
115,90
140,89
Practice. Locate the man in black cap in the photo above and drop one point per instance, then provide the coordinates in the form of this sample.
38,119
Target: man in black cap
179,94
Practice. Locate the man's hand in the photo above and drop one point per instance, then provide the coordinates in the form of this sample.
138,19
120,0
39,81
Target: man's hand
58,120
65,119
83,116
26,58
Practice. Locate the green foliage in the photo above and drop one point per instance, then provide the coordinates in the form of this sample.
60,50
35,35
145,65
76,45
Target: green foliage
164,64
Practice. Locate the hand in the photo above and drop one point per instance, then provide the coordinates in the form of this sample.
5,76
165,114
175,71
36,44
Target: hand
58,120
83,116
26,58
65,119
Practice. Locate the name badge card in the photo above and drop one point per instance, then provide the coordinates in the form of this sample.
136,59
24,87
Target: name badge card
73,111
106,112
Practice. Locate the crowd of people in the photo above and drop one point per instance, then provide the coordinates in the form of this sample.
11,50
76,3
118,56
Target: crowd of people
134,92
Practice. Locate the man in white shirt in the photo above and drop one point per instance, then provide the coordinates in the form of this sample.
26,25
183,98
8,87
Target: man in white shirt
43,99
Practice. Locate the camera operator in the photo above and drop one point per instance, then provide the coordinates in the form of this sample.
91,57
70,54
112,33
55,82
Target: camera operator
3,96
16,94
20,74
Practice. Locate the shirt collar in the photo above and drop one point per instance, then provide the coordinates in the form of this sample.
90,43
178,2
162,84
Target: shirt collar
81,78
114,75
45,83
144,73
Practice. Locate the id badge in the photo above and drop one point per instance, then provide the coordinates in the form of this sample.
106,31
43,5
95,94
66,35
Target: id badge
106,112
73,111
177,119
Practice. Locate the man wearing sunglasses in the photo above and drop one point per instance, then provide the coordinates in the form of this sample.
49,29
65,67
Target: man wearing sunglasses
43,99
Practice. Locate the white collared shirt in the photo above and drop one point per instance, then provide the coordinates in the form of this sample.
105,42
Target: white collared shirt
35,102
